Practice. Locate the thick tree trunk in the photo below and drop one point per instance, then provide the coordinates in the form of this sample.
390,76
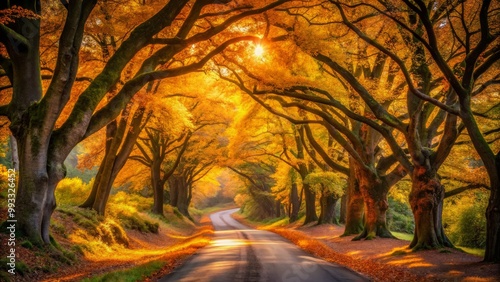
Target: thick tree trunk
492,253
426,201
310,199
294,203
374,191
32,190
355,205
492,164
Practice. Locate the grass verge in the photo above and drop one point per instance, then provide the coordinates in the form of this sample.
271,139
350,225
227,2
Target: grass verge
130,275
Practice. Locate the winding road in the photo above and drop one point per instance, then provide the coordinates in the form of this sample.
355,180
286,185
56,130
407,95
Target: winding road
240,253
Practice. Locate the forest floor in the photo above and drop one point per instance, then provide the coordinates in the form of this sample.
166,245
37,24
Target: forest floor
384,259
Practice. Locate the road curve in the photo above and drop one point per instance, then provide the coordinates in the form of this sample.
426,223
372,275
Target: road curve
240,253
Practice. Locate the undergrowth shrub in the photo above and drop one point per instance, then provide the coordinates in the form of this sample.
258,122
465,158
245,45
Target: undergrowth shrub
135,222
72,191
400,217
464,219
103,228
470,230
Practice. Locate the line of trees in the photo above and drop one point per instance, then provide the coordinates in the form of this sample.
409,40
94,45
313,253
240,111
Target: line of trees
396,100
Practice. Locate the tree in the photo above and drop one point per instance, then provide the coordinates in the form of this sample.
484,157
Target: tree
119,144
33,113
155,148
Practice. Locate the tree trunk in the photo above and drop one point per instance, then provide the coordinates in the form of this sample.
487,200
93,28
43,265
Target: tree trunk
103,183
172,185
492,253
355,205
89,202
278,208
33,186
426,201
157,184
492,165
182,200
328,205
343,209
179,191
294,203
14,152
374,191
310,198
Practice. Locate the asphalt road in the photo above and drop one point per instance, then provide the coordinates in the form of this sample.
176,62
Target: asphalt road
240,253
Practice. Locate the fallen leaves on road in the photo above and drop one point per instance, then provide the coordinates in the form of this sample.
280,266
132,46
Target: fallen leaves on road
375,271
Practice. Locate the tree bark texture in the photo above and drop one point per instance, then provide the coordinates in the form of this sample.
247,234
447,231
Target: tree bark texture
374,191
355,205
426,201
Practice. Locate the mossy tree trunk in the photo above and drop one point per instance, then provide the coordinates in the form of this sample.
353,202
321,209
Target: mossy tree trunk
426,201
374,191
355,205
492,253
33,115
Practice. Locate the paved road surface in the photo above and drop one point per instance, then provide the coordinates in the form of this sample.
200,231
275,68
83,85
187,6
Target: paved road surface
240,253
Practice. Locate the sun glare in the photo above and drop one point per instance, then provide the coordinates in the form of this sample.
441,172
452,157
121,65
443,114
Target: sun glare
259,51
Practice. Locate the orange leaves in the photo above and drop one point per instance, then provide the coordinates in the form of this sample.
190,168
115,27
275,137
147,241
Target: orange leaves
15,12
376,271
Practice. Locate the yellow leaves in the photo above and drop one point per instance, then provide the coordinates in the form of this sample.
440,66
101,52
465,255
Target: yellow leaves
241,199
72,191
170,115
331,181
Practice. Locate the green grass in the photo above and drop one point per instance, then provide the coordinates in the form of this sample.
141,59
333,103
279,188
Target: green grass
409,237
402,236
129,275
277,222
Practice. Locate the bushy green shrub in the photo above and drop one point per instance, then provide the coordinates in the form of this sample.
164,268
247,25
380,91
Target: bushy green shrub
135,222
400,217
464,219
471,228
